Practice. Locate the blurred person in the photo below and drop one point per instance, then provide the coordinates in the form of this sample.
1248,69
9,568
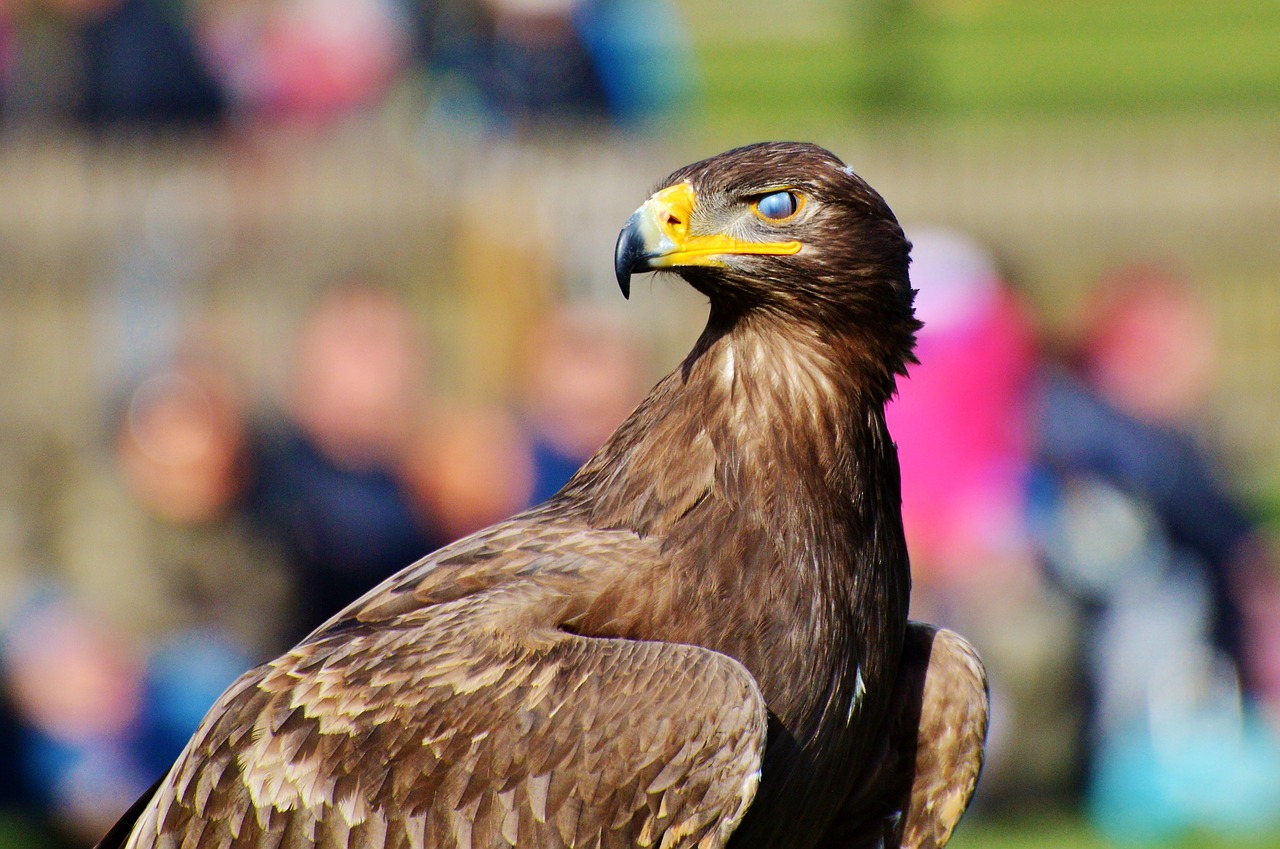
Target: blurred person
330,479
181,443
1169,569
541,69
960,418
646,61
1147,346
158,539
76,686
110,63
584,373
157,592
514,65
309,61
962,428
96,715
174,558
511,65
472,468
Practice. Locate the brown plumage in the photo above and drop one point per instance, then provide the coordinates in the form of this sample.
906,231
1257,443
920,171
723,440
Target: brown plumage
701,640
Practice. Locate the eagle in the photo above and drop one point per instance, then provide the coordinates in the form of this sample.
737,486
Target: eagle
701,641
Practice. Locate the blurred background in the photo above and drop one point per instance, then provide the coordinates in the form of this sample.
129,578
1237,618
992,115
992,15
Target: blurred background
294,291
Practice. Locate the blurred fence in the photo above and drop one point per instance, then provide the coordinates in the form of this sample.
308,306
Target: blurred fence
112,250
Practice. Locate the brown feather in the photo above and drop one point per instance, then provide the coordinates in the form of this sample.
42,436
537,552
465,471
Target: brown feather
930,751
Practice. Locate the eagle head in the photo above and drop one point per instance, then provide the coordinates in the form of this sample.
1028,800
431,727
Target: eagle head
782,228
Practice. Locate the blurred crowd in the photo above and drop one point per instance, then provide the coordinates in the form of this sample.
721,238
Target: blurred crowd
490,65
1066,507
210,533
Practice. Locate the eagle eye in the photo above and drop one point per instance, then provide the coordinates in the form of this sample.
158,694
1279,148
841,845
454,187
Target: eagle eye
777,206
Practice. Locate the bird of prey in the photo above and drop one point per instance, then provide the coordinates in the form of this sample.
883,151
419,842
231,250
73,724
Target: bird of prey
701,641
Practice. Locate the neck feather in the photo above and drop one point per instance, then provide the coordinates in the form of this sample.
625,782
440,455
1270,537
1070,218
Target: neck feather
765,468
765,414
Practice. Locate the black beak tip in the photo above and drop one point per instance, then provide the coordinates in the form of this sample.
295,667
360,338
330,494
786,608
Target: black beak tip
624,282
628,255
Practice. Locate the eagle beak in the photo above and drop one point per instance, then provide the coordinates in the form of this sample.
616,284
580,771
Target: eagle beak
657,236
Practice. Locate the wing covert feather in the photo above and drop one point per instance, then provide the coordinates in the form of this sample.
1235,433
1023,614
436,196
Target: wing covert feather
468,720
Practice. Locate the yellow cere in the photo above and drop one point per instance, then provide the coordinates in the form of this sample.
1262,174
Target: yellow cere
665,220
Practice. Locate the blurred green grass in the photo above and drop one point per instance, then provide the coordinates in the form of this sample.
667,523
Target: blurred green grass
1071,832
967,59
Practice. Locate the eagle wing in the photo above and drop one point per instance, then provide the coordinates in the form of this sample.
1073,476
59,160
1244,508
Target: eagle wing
931,750
448,709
